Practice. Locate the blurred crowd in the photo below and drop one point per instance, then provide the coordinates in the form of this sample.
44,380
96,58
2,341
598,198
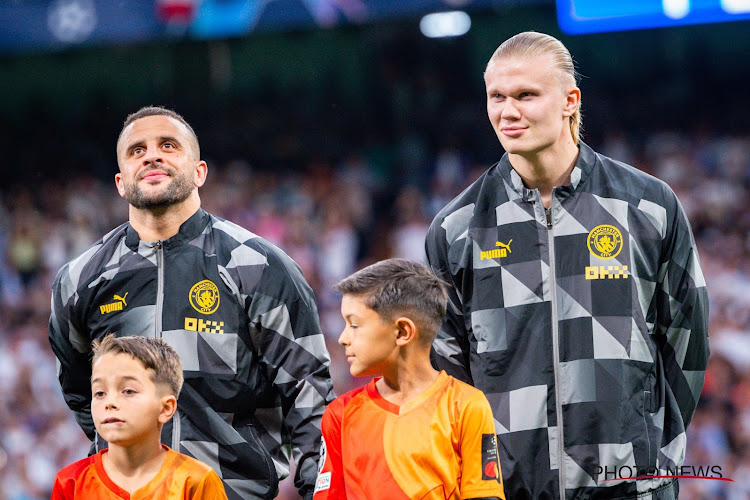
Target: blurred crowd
339,188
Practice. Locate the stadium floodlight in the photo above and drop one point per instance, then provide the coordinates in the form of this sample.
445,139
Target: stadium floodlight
736,6
445,24
676,9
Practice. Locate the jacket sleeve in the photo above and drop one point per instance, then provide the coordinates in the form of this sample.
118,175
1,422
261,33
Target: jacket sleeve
682,314
72,348
450,350
287,335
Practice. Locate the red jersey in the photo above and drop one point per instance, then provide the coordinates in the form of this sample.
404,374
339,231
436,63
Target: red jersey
440,445
180,477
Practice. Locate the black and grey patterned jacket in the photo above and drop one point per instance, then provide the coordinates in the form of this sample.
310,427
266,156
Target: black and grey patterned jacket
243,320
585,326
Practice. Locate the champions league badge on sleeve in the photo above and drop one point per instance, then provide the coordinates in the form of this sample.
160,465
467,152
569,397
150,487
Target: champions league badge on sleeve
490,460
323,482
322,459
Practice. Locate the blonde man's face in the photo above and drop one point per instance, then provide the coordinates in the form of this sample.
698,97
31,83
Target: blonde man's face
529,103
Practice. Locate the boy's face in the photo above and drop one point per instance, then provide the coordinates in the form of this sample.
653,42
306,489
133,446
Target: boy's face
126,405
370,342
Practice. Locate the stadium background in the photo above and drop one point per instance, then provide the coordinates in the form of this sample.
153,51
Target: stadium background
337,134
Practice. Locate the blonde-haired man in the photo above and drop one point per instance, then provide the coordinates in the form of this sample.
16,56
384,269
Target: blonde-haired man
577,301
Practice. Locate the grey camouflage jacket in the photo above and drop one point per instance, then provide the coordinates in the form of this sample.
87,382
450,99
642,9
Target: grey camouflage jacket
586,325
243,320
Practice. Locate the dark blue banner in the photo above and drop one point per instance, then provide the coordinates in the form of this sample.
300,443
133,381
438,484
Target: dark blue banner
594,16
43,25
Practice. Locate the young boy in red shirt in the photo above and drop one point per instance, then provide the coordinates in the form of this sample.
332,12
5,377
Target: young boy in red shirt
412,432
135,382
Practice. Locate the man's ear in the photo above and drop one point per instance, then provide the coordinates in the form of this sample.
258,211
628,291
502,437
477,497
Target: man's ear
120,184
201,171
406,331
168,407
572,101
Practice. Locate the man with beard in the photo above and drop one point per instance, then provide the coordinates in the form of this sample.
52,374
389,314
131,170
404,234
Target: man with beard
236,309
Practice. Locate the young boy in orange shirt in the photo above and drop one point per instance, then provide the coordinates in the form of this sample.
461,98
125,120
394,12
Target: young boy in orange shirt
412,432
135,382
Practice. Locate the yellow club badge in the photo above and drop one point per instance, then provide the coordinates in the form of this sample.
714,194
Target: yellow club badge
605,241
204,297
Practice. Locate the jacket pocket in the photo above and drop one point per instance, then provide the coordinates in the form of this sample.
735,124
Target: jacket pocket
253,439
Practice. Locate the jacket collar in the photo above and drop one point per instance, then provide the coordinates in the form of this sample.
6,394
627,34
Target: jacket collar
189,230
581,171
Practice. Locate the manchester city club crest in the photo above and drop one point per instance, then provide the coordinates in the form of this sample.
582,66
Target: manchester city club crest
605,241
204,297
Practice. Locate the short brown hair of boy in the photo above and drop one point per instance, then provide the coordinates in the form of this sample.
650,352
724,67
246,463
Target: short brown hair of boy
400,287
157,356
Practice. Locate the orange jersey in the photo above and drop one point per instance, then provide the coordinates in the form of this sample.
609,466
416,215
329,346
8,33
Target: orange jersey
440,445
180,477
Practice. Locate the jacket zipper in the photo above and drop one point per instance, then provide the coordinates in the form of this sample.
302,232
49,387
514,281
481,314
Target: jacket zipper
175,441
556,349
159,288
176,431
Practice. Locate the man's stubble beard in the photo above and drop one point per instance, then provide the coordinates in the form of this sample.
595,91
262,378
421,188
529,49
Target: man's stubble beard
178,191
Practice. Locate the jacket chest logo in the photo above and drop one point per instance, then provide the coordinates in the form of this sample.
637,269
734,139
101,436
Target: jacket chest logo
204,297
605,241
117,305
496,253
